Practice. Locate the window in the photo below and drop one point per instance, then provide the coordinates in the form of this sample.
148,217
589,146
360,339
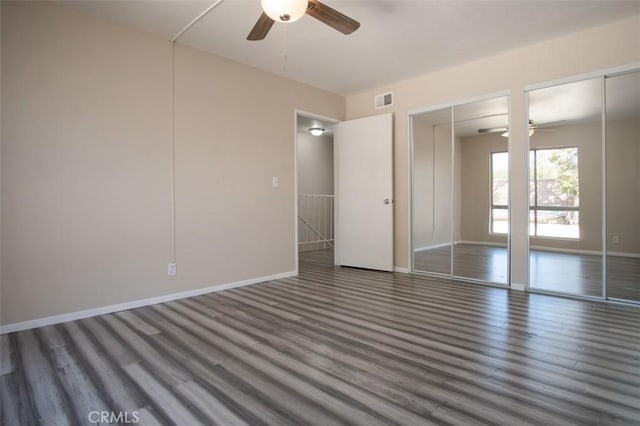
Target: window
554,193
499,221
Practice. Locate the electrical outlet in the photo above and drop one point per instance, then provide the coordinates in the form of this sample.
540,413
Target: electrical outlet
171,270
274,182
616,239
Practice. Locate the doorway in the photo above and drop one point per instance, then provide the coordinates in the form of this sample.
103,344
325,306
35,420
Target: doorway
315,189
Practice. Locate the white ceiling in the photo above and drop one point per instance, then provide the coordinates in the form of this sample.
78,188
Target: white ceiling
397,39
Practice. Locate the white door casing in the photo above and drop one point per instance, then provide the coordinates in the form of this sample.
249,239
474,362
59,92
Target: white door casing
363,176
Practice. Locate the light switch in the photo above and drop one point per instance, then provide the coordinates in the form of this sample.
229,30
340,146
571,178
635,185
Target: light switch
274,182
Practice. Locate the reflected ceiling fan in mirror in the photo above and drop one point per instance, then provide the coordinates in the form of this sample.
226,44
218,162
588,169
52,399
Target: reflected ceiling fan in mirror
287,11
547,127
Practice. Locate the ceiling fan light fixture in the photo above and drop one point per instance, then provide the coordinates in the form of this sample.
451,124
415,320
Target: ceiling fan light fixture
284,10
316,131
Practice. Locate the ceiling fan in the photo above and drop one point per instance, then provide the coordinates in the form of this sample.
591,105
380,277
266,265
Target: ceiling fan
292,10
532,128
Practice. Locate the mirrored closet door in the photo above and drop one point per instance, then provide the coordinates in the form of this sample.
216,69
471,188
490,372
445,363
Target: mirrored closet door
481,185
460,188
432,202
622,133
584,188
565,188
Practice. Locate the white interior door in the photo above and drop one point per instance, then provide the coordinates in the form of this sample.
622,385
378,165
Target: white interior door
363,180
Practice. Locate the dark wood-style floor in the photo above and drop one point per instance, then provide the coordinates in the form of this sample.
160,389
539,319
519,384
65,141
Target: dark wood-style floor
576,274
335,346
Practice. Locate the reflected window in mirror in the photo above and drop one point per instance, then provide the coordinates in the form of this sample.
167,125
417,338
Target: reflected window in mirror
554,193
499,223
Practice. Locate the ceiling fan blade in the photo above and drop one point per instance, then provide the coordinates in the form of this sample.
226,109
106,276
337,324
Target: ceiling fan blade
550,124
332,17
261,28
493,130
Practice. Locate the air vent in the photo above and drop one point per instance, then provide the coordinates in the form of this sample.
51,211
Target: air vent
384,100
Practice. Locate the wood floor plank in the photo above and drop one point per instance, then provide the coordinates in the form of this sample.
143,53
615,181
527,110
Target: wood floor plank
6,355
136,323
215,411
85,395
270,378
242,398
172,407
514,349
120,393
147,417
48,398
168,371
265,307
335,346
17,404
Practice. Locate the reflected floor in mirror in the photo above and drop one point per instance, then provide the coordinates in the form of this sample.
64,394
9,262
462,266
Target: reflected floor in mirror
579,274
478,262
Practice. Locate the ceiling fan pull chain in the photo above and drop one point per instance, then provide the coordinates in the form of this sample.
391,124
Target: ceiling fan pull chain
284,52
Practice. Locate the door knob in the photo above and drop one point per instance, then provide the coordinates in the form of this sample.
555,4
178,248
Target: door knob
386,201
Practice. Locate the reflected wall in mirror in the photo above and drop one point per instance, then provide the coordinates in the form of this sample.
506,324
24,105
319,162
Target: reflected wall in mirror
432,201
481,184
565,188
460,191
623,186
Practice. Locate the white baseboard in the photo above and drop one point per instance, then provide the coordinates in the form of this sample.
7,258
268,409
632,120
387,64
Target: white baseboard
517,286
41,322
591,252
566,250
535,247
622,254
432,247
481,243
400,269
478,243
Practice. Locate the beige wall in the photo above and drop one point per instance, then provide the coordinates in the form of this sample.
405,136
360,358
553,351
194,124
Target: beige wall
578,53
432,185
315,163
623,185
86,161
476,187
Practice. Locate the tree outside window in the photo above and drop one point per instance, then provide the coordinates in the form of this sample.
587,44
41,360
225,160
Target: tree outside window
554,193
